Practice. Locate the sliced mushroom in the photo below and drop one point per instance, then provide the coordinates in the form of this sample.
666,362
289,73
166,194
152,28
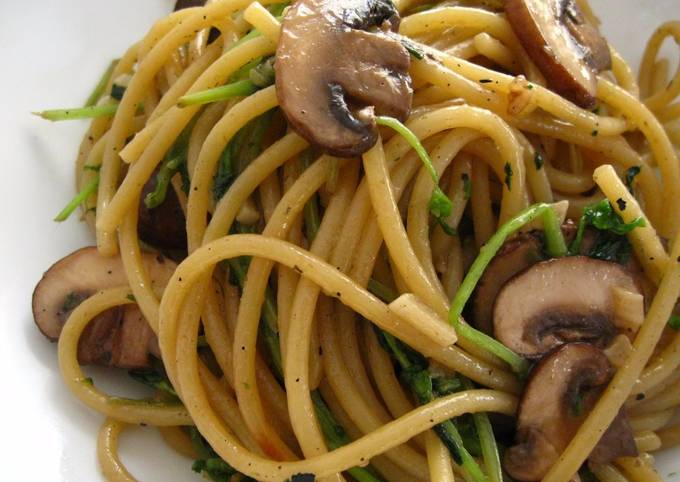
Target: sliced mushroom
565,47
331,74
558,301
164,226
517,254
561,391
118,337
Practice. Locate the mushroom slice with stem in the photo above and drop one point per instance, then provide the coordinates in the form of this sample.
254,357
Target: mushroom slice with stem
118,337
567,49
559,301
560,392
332,74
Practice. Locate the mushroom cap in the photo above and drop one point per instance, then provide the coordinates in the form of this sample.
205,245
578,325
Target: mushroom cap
564,46
331,75
558,301
116,337
561,390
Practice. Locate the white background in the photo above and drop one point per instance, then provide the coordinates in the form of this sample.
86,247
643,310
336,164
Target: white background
51,54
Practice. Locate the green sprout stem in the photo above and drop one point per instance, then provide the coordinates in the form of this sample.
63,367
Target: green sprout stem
334,433
240,88
440,205
420,382
556,247
101,85
89,112
79,199
487,441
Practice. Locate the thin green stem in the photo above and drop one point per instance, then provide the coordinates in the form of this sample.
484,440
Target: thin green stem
556,247
79,198
487,441
420,381
98,90
240,88
336,436
90,112
440,205
311,209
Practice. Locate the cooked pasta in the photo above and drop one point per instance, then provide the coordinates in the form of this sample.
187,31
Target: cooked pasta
316,320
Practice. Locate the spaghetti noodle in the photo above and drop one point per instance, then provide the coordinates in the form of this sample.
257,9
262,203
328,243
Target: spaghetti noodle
279,331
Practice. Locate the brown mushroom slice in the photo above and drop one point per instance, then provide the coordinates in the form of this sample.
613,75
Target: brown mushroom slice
516,255
164,226
558,301
331,74
565,47
560,392
117,337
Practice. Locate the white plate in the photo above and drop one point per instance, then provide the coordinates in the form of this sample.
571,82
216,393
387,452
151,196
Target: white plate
51,54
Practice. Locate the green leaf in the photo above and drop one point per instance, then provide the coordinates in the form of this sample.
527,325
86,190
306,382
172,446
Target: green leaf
631,174
610,245
674,322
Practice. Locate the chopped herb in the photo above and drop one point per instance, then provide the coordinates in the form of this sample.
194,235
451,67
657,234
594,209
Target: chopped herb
117,91
538,160
174,161
412,48
303,478
640,396
621,204
594,133
674,322
131,297
631,174
90,167
577,404
508,175
529,86
155,380
72,300
596,110
611,243
87,381
485,81
467,185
